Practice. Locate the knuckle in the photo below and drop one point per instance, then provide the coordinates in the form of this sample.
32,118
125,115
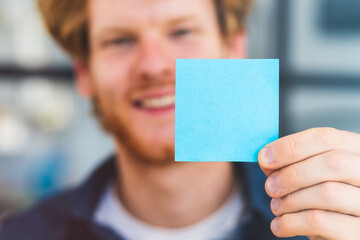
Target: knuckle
327,136
314,218
335,161
294,173
330,192
285,222
289,201
293,146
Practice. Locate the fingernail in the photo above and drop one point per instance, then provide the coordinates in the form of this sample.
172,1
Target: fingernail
272,184
275,225
275,203
267,156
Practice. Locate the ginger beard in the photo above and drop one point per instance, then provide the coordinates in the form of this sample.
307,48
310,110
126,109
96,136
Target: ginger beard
110,117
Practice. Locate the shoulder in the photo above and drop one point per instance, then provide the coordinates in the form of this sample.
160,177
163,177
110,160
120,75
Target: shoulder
61,215
45,218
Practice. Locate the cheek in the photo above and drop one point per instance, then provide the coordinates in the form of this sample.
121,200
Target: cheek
110,79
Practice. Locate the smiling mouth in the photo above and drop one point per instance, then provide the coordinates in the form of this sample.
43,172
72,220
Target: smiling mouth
154,103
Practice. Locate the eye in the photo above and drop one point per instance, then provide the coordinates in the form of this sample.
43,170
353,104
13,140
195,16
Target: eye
180,32
122,41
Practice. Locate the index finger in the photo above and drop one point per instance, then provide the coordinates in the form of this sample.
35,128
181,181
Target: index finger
299,146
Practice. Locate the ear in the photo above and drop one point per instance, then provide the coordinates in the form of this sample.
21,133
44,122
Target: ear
82,78
238,46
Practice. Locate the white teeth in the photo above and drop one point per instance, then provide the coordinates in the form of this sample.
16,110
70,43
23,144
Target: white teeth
159,102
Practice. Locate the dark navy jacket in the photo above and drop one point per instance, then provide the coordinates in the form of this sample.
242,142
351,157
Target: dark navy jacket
69,215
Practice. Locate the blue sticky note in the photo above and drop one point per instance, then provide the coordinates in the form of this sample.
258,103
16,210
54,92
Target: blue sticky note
226,109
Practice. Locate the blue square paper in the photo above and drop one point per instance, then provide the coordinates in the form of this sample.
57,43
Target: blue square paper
226,109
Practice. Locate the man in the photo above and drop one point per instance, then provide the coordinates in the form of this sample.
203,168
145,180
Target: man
124,53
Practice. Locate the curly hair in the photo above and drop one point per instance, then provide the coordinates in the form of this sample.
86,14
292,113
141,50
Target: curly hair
66,21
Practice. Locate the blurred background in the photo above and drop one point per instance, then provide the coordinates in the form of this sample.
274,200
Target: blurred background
48,140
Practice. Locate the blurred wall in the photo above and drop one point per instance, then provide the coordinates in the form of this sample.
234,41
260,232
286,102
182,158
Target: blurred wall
319,46
48,139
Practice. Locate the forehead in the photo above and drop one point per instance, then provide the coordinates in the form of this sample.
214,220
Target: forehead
139,12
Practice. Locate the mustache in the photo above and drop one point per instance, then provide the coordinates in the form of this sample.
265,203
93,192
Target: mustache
150,86
154,84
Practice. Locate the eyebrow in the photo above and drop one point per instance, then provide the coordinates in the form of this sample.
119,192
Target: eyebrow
180,19
110,30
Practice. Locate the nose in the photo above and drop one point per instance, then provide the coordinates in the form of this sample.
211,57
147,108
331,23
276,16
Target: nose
155,61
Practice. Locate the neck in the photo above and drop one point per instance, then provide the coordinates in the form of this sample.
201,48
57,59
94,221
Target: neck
173,195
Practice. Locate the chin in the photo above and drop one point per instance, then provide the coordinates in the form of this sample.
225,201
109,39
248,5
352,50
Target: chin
149,154
158,150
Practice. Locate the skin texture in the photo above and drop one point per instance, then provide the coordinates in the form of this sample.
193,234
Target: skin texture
314,181
133,47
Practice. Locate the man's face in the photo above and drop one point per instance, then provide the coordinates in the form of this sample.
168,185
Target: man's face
133,47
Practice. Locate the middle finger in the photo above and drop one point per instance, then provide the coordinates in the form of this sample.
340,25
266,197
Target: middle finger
331,196
330,166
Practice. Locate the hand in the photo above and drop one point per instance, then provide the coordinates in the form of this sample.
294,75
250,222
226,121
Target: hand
314,183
